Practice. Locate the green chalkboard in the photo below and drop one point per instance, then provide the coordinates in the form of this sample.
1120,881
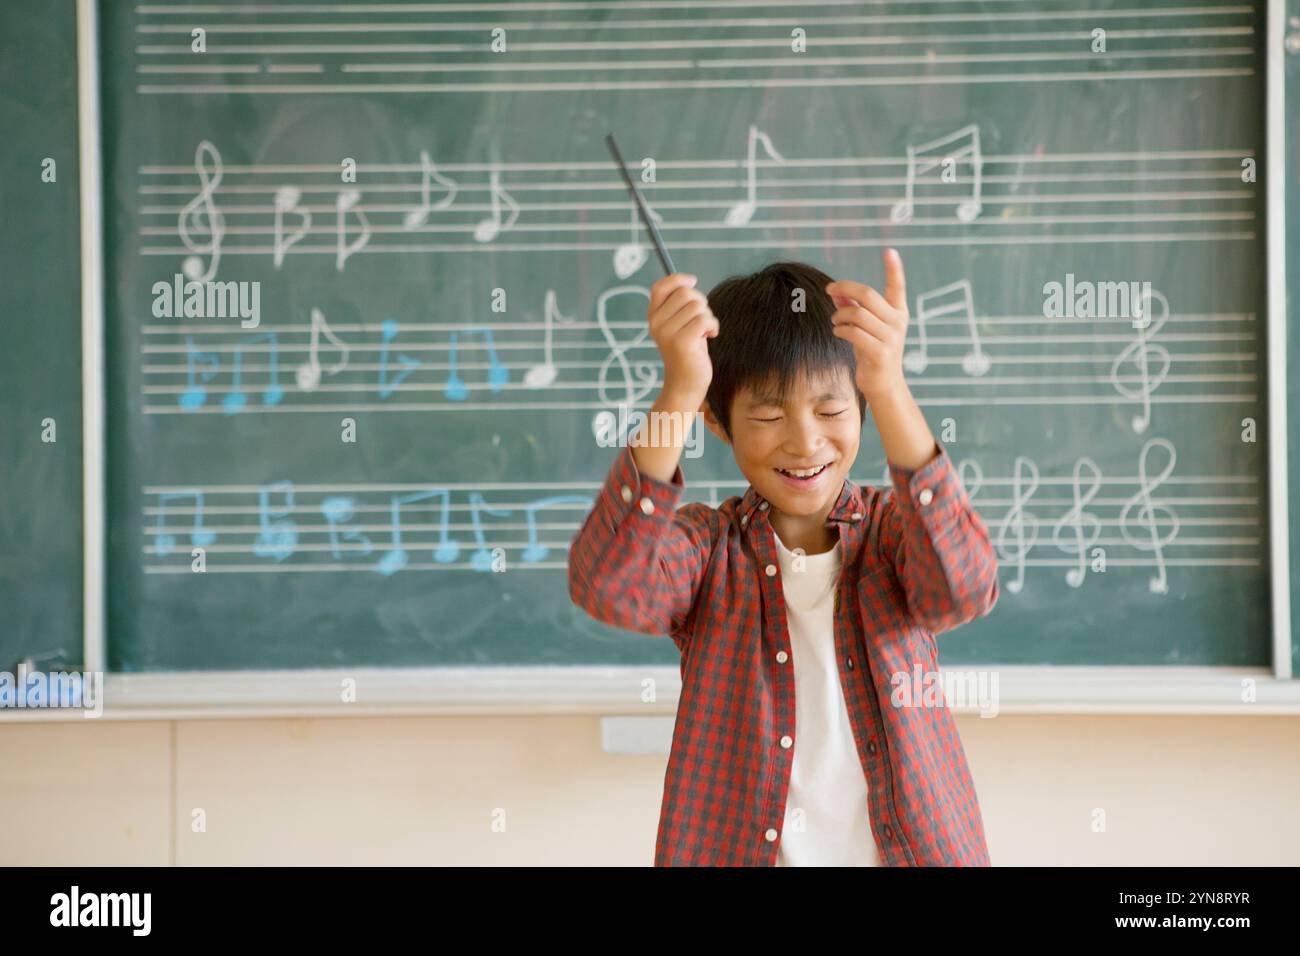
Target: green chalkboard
40,365
425,206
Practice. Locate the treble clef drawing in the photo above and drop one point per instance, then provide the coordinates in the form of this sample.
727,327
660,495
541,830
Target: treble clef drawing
1023,524
1147,517
202,216
1083,524
638,378
1141,352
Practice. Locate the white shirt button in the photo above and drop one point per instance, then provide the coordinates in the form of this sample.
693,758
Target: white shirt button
647,506
856,516
770,835
744,520
787,741
782,657
926,496
770,569
762,506
627,493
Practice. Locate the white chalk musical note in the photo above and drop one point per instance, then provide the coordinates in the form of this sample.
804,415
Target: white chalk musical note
639,379
308,374
942,153
211,221
428,174
1076,520
349,200
1140,352
954,298
489,228
286,201
1146,518
1023,523
631,256
742,212
540,376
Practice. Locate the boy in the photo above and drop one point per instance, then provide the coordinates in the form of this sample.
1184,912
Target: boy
787,748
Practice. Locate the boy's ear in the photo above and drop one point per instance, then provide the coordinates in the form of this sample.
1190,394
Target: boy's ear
711,421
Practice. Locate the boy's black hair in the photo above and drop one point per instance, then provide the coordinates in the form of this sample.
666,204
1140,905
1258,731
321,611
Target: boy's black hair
761,338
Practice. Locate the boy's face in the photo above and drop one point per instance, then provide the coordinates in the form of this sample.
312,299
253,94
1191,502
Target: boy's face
818,427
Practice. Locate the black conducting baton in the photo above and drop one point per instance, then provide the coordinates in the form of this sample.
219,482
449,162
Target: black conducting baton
640,205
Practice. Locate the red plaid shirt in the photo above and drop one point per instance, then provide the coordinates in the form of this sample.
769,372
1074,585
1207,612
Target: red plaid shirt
916,561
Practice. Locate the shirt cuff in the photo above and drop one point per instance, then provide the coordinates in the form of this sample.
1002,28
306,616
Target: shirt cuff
631,493
932,488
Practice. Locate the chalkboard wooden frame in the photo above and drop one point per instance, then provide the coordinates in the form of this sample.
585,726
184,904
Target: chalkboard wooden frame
606,690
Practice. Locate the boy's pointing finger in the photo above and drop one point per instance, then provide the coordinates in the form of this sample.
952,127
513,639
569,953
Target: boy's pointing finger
895,281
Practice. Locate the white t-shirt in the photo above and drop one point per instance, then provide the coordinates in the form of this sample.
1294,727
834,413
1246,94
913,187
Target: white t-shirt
826,780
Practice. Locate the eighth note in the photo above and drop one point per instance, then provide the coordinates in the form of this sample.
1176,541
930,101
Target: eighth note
418,216
308,374
498,374
489,228
931,306
742,212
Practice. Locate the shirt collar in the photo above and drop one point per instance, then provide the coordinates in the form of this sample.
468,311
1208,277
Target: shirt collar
847,508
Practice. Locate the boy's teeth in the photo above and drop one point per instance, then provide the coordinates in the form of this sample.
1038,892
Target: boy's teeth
802,472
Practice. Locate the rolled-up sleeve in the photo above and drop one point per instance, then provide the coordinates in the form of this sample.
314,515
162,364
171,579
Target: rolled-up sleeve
939,545
638,560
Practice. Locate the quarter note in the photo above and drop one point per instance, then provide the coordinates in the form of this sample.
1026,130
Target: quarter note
210,221
489,228
388,332
337,511
631,256
498,374
742,212
278,534
1147,518
1076,520
539,376
942,153
1023,523
429,173
535,551
349,201
196,394
308,373
271,395
200,537
286,201
1140,352
395,558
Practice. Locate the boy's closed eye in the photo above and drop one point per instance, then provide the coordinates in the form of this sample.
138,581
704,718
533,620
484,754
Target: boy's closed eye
777,418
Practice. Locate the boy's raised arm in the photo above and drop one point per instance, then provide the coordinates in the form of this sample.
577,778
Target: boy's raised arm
637,561
937,542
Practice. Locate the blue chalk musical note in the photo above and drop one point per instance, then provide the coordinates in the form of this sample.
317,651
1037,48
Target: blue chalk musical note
336,511
396,557
277,537
535,551
200,537
196,394
481,559
386,388
498,374
271,395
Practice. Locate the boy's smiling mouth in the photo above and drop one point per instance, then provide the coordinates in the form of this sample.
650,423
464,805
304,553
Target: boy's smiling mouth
803,478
